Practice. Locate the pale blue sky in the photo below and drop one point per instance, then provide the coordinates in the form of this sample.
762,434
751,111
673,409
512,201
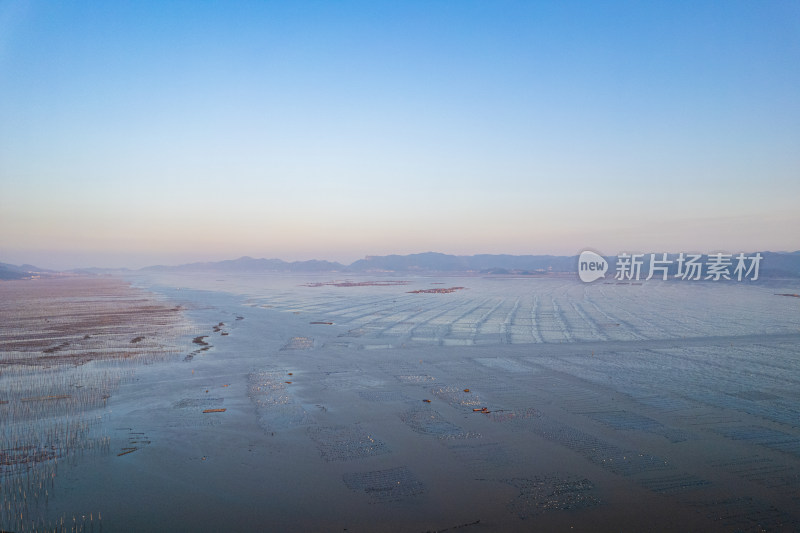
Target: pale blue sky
134,133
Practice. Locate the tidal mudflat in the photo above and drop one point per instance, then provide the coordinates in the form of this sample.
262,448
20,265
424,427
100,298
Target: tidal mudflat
289,403
66,344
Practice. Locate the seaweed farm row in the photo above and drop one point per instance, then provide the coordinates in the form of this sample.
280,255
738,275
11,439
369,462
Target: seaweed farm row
706,433
66,344
519,311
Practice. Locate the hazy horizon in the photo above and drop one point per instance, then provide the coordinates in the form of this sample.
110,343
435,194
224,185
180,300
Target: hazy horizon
167,133
140,261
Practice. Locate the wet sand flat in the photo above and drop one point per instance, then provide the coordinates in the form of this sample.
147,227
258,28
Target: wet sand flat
74,320
511,405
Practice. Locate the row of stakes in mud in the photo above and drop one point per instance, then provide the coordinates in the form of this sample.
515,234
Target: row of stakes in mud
47,414
47,419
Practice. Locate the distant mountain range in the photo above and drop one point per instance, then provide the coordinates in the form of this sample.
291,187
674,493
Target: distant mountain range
773,265
8,271
424,262
248,264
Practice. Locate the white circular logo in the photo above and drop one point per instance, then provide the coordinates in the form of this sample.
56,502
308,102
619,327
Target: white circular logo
591,266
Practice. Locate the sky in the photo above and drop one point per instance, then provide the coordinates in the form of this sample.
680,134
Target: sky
139,133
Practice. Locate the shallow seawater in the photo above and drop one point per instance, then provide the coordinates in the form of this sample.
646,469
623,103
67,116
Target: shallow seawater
326,403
